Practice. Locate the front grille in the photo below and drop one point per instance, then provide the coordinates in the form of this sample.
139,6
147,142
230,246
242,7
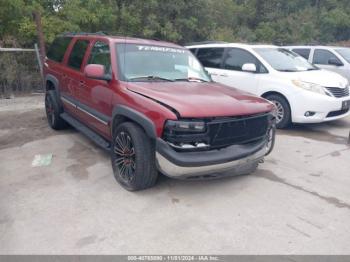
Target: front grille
237,130
338,92
337,113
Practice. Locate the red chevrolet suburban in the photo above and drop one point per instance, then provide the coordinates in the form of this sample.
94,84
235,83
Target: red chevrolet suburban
154,107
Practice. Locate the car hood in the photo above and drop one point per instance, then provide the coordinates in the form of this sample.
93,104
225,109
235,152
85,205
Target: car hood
198,99
321,77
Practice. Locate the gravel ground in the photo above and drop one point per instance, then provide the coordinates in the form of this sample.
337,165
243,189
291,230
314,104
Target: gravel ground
297,202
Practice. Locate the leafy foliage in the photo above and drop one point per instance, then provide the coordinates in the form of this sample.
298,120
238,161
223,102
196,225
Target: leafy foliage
276,21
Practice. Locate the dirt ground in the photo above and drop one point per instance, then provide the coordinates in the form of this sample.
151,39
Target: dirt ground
297,202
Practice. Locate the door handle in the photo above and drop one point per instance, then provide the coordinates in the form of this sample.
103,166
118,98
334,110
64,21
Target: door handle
225,75
81,83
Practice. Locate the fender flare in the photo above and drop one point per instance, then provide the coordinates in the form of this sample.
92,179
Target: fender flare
55,82
137,117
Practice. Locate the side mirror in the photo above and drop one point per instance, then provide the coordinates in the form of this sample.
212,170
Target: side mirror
249,68
96,71
335,62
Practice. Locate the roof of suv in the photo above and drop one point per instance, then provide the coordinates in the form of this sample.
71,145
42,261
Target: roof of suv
123,39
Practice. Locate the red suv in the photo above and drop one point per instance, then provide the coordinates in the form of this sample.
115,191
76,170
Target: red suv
155,108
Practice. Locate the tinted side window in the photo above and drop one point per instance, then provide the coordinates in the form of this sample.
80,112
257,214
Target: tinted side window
322,57
100,54
77,55
236,58
210,57
304,52
58,48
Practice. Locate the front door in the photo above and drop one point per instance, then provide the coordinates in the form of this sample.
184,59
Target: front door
95,95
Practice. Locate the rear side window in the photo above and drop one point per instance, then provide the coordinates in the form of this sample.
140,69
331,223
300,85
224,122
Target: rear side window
58,48
100,55
77,55
236,58
321,57
304,52
210,57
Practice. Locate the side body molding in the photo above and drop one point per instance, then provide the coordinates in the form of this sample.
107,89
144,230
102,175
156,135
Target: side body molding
137,117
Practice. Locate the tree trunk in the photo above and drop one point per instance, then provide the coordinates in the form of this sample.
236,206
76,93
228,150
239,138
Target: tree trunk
40,34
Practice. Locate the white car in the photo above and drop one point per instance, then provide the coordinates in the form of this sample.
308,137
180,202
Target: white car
333,58
301,92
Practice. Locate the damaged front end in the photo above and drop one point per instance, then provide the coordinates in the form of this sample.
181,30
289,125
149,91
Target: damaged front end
197,147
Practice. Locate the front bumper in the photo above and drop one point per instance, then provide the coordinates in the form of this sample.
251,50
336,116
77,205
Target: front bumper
323,106
232,160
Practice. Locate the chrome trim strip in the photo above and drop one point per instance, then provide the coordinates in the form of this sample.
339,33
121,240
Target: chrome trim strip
83,110
98,119
68,102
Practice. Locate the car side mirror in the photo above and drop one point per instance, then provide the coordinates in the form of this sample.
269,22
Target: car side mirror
249,68
96,71
335,62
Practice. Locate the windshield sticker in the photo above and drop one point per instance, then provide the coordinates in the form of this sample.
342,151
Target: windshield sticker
160,49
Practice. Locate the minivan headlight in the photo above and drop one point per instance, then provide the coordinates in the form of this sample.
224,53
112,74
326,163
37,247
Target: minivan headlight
309,86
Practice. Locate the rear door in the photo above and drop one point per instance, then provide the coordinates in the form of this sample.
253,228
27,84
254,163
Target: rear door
232,73
73,75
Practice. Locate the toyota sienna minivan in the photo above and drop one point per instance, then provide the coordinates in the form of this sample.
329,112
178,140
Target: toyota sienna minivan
302,92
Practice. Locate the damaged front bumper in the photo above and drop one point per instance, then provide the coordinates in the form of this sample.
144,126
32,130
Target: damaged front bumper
229,161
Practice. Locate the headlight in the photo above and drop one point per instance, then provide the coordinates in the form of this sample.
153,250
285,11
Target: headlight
185,126
309,86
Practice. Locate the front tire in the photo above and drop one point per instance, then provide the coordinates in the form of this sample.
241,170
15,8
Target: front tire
133,157
283,117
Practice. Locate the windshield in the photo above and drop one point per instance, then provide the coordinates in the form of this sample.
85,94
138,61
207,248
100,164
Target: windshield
141,63
284,60
344,52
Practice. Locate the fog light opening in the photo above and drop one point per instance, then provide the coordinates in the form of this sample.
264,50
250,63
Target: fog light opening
309,113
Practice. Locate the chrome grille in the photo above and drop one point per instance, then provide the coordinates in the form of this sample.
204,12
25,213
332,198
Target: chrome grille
338,92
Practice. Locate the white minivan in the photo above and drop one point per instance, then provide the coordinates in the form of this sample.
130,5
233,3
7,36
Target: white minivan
302,92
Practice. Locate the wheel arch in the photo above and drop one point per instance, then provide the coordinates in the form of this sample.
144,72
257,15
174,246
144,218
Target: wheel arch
266,94
52,83
123,114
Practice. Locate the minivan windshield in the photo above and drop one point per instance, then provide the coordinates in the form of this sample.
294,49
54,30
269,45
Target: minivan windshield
344,52
284,60
143,63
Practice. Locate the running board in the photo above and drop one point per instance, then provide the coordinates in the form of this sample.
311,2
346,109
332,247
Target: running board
99,140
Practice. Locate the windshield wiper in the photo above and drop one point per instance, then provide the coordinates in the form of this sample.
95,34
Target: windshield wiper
150,78
191,79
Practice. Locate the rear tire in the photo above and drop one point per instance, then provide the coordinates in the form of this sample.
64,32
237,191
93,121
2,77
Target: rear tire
53,111
133,157
283,118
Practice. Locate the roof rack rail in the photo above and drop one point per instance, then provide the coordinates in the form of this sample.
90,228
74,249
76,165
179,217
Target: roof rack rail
83,33
205,42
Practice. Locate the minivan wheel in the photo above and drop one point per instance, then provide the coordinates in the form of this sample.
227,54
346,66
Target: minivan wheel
133,157
53,111
283,114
